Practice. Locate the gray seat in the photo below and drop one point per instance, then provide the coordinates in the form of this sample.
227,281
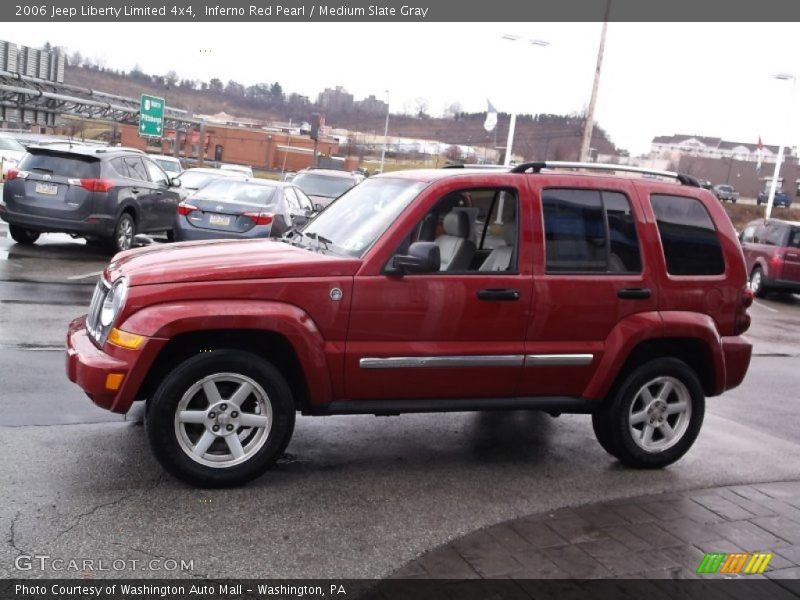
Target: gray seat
500,258
455,247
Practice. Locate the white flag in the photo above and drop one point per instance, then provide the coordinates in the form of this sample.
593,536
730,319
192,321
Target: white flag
491,118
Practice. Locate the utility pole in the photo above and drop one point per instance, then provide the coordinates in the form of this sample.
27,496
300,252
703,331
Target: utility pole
589,125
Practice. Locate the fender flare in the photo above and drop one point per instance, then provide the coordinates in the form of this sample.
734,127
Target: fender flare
647,326
166,321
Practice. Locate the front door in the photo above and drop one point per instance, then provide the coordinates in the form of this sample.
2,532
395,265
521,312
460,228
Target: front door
455,333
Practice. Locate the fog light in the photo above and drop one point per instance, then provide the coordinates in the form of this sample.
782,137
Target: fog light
125,339
114,381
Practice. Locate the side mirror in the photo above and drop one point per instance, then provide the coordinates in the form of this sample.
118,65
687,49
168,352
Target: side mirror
422,257
318,207
175,182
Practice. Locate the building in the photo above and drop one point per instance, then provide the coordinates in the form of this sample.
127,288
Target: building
673,147
371,106
335,101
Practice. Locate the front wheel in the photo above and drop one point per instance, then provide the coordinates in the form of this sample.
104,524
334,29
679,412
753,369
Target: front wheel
22,235
654,416
221,418
757,283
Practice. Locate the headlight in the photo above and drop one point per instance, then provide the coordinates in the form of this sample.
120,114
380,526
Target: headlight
113,302
107,303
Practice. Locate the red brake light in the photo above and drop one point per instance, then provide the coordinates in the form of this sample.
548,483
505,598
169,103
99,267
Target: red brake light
12,174
260,218
97,185
184,208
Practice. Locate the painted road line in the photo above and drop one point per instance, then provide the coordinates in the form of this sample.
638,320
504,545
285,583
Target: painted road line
87,275
766,307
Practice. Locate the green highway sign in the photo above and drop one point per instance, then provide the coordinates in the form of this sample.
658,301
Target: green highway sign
151,116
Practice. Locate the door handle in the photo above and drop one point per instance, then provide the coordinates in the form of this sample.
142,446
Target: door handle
634,293
159,193
135,191
498,294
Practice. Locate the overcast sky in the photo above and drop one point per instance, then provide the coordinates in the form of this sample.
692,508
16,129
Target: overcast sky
712,79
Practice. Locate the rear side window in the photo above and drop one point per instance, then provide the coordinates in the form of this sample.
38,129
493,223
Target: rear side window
589,231
688,236
62,165
135,168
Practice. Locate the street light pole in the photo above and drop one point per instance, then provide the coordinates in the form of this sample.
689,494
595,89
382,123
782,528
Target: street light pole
774,183
513,122
385,132
589,125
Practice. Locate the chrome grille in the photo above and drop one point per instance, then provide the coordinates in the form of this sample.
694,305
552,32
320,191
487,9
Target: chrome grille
93,317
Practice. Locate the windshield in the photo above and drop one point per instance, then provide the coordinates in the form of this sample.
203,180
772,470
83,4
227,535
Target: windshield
227,190
9,144
323,185
195,180
362,215
170,166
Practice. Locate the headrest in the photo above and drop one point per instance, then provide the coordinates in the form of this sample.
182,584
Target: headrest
456,223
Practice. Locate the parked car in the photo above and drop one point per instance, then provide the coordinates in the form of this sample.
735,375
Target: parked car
781,198
726,193
241,208
171,165
772,252
195,178
617,297
238,169
705,184
101,193
323,186
11,152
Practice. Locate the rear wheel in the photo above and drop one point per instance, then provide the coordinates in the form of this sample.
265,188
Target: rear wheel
654,416
22,235
220,419
123,233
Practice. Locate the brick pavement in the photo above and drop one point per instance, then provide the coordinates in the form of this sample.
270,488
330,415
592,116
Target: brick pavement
661,536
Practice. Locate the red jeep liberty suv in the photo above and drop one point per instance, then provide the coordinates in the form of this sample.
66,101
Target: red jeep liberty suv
550,286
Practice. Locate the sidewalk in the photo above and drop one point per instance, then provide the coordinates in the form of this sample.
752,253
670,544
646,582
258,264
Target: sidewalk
664,536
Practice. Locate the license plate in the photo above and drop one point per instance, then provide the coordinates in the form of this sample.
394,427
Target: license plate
219,220
47,188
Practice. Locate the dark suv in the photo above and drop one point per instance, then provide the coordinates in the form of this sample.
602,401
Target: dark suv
539,287
100,193
772,251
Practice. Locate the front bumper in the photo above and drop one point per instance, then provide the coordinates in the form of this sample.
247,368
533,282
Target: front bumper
90,368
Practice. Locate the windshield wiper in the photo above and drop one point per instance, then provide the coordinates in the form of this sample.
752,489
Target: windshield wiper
319,239
42,169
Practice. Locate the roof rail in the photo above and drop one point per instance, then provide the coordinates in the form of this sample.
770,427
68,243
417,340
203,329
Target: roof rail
477,166
536,167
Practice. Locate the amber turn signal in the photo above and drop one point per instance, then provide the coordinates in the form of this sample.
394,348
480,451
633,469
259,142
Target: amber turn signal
124,339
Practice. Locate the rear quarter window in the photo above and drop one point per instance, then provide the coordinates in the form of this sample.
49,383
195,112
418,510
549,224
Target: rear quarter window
62,165
688,236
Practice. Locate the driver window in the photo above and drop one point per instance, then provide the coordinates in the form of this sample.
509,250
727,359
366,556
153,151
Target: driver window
156,174
475,230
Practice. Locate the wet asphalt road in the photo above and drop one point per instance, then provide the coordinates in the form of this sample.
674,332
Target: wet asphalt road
356,496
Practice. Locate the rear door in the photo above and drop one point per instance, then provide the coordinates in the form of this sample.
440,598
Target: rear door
590,274
52,185
791,269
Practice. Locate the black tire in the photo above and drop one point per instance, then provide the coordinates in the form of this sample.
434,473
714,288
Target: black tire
602,431
171,441
757,283
613,423
22,235
123,233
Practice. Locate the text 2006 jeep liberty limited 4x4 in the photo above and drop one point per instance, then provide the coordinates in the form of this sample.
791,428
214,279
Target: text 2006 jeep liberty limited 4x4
551,286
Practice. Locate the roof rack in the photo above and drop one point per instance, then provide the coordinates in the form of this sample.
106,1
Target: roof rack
537,167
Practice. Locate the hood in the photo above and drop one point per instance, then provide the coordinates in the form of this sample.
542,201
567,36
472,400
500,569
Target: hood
220,260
